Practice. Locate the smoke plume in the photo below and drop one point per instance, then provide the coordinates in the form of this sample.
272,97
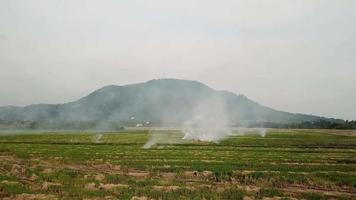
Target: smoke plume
163,137
250,131
97,137
209,121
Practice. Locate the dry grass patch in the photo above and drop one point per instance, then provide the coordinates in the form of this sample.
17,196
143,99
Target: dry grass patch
6,182
171,188
111,187
330,193
99,177
32,197
139,198
90,187
138,173
48,185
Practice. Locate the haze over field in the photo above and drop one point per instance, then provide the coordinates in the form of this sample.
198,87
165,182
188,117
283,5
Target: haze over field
163,102
177,99
296,56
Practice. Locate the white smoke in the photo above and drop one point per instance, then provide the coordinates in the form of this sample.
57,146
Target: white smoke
163,137
250,131
97,137
209,122
154,140
262,132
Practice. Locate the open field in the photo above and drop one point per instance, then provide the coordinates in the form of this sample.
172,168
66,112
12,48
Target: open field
285,164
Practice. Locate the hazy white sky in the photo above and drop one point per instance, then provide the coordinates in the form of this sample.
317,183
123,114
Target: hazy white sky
297,56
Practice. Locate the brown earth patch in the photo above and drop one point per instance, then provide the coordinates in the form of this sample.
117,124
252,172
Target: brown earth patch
8,158
333,193
251,188
191,173
47,185
199,186
248,198
191,188
99,177
221,187
33,177
138,173
6,182
3,193
33,197
18,170
207,173
245,172
101,198
110,187
48,171
139,198
272,198
58,158
90,187
167,175
170,188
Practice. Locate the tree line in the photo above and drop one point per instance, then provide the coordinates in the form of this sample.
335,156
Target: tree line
109,125
321,124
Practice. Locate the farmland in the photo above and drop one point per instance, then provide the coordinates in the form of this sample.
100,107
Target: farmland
285,164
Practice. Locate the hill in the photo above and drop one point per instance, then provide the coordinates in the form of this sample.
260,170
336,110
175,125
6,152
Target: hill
168,102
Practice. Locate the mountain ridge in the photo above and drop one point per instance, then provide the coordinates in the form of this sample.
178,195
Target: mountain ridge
159,101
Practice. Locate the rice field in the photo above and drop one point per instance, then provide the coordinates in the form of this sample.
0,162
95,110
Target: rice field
285,164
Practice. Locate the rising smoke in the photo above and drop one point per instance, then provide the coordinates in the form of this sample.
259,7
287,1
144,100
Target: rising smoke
162,137
97,137
156,138
249,131
209,121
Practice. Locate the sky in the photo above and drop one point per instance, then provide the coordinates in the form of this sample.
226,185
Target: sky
296,56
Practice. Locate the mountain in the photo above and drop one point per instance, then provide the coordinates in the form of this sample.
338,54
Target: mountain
159,102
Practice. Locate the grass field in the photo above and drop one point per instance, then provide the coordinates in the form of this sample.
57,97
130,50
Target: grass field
285,164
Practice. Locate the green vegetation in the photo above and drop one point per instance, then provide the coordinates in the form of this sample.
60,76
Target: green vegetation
318,124
299,164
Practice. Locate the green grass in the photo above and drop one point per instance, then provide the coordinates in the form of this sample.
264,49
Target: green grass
311,159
